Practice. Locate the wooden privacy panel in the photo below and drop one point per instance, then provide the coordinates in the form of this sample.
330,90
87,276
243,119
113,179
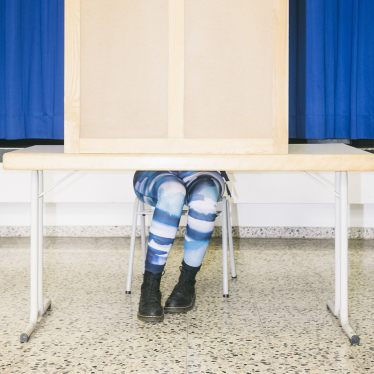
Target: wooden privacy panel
176,76
228,69
124,68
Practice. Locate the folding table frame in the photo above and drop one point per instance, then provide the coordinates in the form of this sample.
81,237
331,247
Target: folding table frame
39,305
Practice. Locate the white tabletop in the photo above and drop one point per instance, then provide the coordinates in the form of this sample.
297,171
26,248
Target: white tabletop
301,157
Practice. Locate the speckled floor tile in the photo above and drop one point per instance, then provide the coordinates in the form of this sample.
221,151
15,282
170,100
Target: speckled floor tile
275,320
294,320
9,351
365,356
35,358
246,347
152,366
217,364
70,243
16,243
111,244
311,351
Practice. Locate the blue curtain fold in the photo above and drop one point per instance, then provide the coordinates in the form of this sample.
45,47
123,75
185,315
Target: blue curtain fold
31,69
331,69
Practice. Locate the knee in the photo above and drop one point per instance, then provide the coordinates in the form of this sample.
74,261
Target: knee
203,201
205,187
171,186
171,196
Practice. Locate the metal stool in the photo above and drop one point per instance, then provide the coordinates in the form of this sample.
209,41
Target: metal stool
226,226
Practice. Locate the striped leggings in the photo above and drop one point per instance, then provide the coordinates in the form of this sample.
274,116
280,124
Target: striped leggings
168,191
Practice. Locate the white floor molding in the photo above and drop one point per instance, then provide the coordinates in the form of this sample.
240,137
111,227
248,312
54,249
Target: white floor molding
238,232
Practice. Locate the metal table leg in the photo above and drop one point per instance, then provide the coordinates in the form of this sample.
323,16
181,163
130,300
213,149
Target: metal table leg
38,305
340,307
335,307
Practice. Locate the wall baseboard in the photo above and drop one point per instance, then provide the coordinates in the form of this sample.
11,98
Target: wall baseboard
238,232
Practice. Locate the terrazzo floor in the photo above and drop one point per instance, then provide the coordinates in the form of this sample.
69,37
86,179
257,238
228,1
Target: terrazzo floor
275,320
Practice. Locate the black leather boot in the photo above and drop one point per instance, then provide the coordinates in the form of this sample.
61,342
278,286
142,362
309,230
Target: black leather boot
182,299
150,308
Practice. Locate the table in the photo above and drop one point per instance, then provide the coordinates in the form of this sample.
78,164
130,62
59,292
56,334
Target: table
338,158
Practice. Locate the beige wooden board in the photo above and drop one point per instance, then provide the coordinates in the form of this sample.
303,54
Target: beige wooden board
72,76
124,68
280,76
194,76
176,69
311,157
177,146
229,69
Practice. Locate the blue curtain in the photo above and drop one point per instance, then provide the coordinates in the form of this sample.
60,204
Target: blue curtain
332,69
31,69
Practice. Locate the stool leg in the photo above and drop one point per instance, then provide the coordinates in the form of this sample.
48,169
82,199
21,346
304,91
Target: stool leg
224,249
142,234
132,246
231,246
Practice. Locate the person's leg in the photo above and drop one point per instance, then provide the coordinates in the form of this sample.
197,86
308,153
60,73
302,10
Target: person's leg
164,226
203,193
166,192
202,202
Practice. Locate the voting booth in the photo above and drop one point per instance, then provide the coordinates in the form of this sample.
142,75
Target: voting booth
176,76
181,85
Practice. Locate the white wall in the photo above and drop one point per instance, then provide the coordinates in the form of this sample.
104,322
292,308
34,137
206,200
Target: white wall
260,199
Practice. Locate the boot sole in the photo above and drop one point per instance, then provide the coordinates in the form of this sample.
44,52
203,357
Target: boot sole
180,309
151,318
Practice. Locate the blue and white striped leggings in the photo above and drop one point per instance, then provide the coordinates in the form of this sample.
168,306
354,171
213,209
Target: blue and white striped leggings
168,191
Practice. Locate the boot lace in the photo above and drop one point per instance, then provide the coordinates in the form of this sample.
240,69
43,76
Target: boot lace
185,282
153,288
